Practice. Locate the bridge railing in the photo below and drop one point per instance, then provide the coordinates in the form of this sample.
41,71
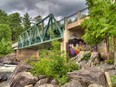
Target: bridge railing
77,15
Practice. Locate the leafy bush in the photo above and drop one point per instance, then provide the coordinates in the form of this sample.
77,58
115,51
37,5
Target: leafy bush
5,39
5,47
113,79
110,60
86,56
54,65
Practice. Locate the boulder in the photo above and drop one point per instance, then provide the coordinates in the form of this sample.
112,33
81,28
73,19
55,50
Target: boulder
22,79
41,77
29,85
109,68
89,76
3,77
3,84
46,85
73,83
81,54
21,67
9,59
42,81
95,85
54,82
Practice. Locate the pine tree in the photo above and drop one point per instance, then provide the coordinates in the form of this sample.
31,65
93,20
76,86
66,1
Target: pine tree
26,21
15,25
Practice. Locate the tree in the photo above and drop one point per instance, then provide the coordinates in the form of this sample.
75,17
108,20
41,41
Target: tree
15,25
102,21
3,17
26,21
5,32
5,39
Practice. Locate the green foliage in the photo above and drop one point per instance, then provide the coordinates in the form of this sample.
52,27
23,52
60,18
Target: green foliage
101,23
110,60
15,25
5,47
26,21
3,17
54,64
86,56
113,79
5,32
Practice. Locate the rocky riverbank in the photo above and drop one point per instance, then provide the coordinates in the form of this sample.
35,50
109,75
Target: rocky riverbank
93,73
5,73
89,77
7,65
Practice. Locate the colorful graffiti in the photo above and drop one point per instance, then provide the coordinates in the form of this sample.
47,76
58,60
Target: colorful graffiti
74,46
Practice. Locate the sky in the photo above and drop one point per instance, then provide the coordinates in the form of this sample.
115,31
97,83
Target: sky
60,8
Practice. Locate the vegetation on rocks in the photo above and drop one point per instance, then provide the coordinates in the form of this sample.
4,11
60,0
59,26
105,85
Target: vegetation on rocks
54,64
113,79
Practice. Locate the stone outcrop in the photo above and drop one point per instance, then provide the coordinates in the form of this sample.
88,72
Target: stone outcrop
47,85
73,83
3,77
92,59
21,67
89,76
9,59
22,79
95,85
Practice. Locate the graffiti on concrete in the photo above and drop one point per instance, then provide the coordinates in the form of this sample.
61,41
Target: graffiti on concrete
74,46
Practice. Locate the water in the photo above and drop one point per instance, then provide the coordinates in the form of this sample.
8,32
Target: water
7,70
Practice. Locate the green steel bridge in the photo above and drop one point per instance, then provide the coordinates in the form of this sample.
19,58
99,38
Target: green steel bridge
45,30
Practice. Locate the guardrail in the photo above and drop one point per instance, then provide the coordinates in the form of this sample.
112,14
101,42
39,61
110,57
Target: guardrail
77,15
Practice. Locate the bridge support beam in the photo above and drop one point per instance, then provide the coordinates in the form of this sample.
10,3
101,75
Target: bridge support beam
71,33
23,54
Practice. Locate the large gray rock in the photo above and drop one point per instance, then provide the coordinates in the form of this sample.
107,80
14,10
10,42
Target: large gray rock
89,76
9,59
95,85
3,77
21,67
22,79
42,81
47,85
73,83
109,68
54,82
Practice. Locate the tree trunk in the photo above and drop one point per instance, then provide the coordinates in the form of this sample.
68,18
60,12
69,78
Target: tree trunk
115,50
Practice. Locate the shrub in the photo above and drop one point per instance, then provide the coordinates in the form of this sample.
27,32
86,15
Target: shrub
54,65
110,61
5,47
113,79
86,56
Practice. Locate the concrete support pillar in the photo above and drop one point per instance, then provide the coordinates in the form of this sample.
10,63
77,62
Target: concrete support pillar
26,53
62,46
66,34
